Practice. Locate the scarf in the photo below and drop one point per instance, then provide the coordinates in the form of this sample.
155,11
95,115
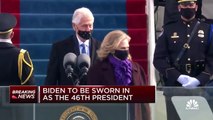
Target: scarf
122,70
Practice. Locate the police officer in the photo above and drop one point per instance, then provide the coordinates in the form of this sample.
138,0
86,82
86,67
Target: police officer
194,64
184,51
16,67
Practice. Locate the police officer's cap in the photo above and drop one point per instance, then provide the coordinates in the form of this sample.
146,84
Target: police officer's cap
7,22
190,1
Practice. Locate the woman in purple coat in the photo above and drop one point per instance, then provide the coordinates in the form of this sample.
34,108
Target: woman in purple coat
115,67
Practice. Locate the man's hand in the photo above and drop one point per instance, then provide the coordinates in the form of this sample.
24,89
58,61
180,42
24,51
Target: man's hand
192,83
183,79
188,82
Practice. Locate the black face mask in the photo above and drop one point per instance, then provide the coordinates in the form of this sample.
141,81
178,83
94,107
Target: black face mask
85,34
187,13
121,54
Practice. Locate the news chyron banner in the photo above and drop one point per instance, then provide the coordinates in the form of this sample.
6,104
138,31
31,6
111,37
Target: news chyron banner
82,94
23,94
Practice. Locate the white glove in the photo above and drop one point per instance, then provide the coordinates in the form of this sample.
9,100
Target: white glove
183,79
192,83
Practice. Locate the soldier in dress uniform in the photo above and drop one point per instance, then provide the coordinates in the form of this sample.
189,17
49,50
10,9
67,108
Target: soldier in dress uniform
16,67
184,52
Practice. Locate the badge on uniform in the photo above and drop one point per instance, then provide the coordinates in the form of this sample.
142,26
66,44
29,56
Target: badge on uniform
200,33
175,35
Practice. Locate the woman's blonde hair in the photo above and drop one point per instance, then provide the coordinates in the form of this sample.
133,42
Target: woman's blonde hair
111,42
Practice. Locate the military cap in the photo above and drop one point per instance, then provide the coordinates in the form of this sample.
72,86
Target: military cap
7,22
192,1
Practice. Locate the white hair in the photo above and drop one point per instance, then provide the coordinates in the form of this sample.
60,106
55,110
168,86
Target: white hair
81,12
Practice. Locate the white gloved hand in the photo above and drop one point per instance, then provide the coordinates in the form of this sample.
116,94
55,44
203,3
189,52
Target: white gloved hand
192,83
183,79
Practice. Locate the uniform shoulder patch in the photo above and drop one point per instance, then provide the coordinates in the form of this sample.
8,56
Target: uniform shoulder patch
161,33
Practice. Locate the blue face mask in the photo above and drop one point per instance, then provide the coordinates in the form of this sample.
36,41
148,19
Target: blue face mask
121,54
85,34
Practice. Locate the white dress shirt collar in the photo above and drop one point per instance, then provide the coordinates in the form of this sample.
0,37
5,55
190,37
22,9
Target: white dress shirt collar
6,40
80,42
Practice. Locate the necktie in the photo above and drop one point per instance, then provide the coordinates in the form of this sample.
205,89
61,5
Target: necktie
83,48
